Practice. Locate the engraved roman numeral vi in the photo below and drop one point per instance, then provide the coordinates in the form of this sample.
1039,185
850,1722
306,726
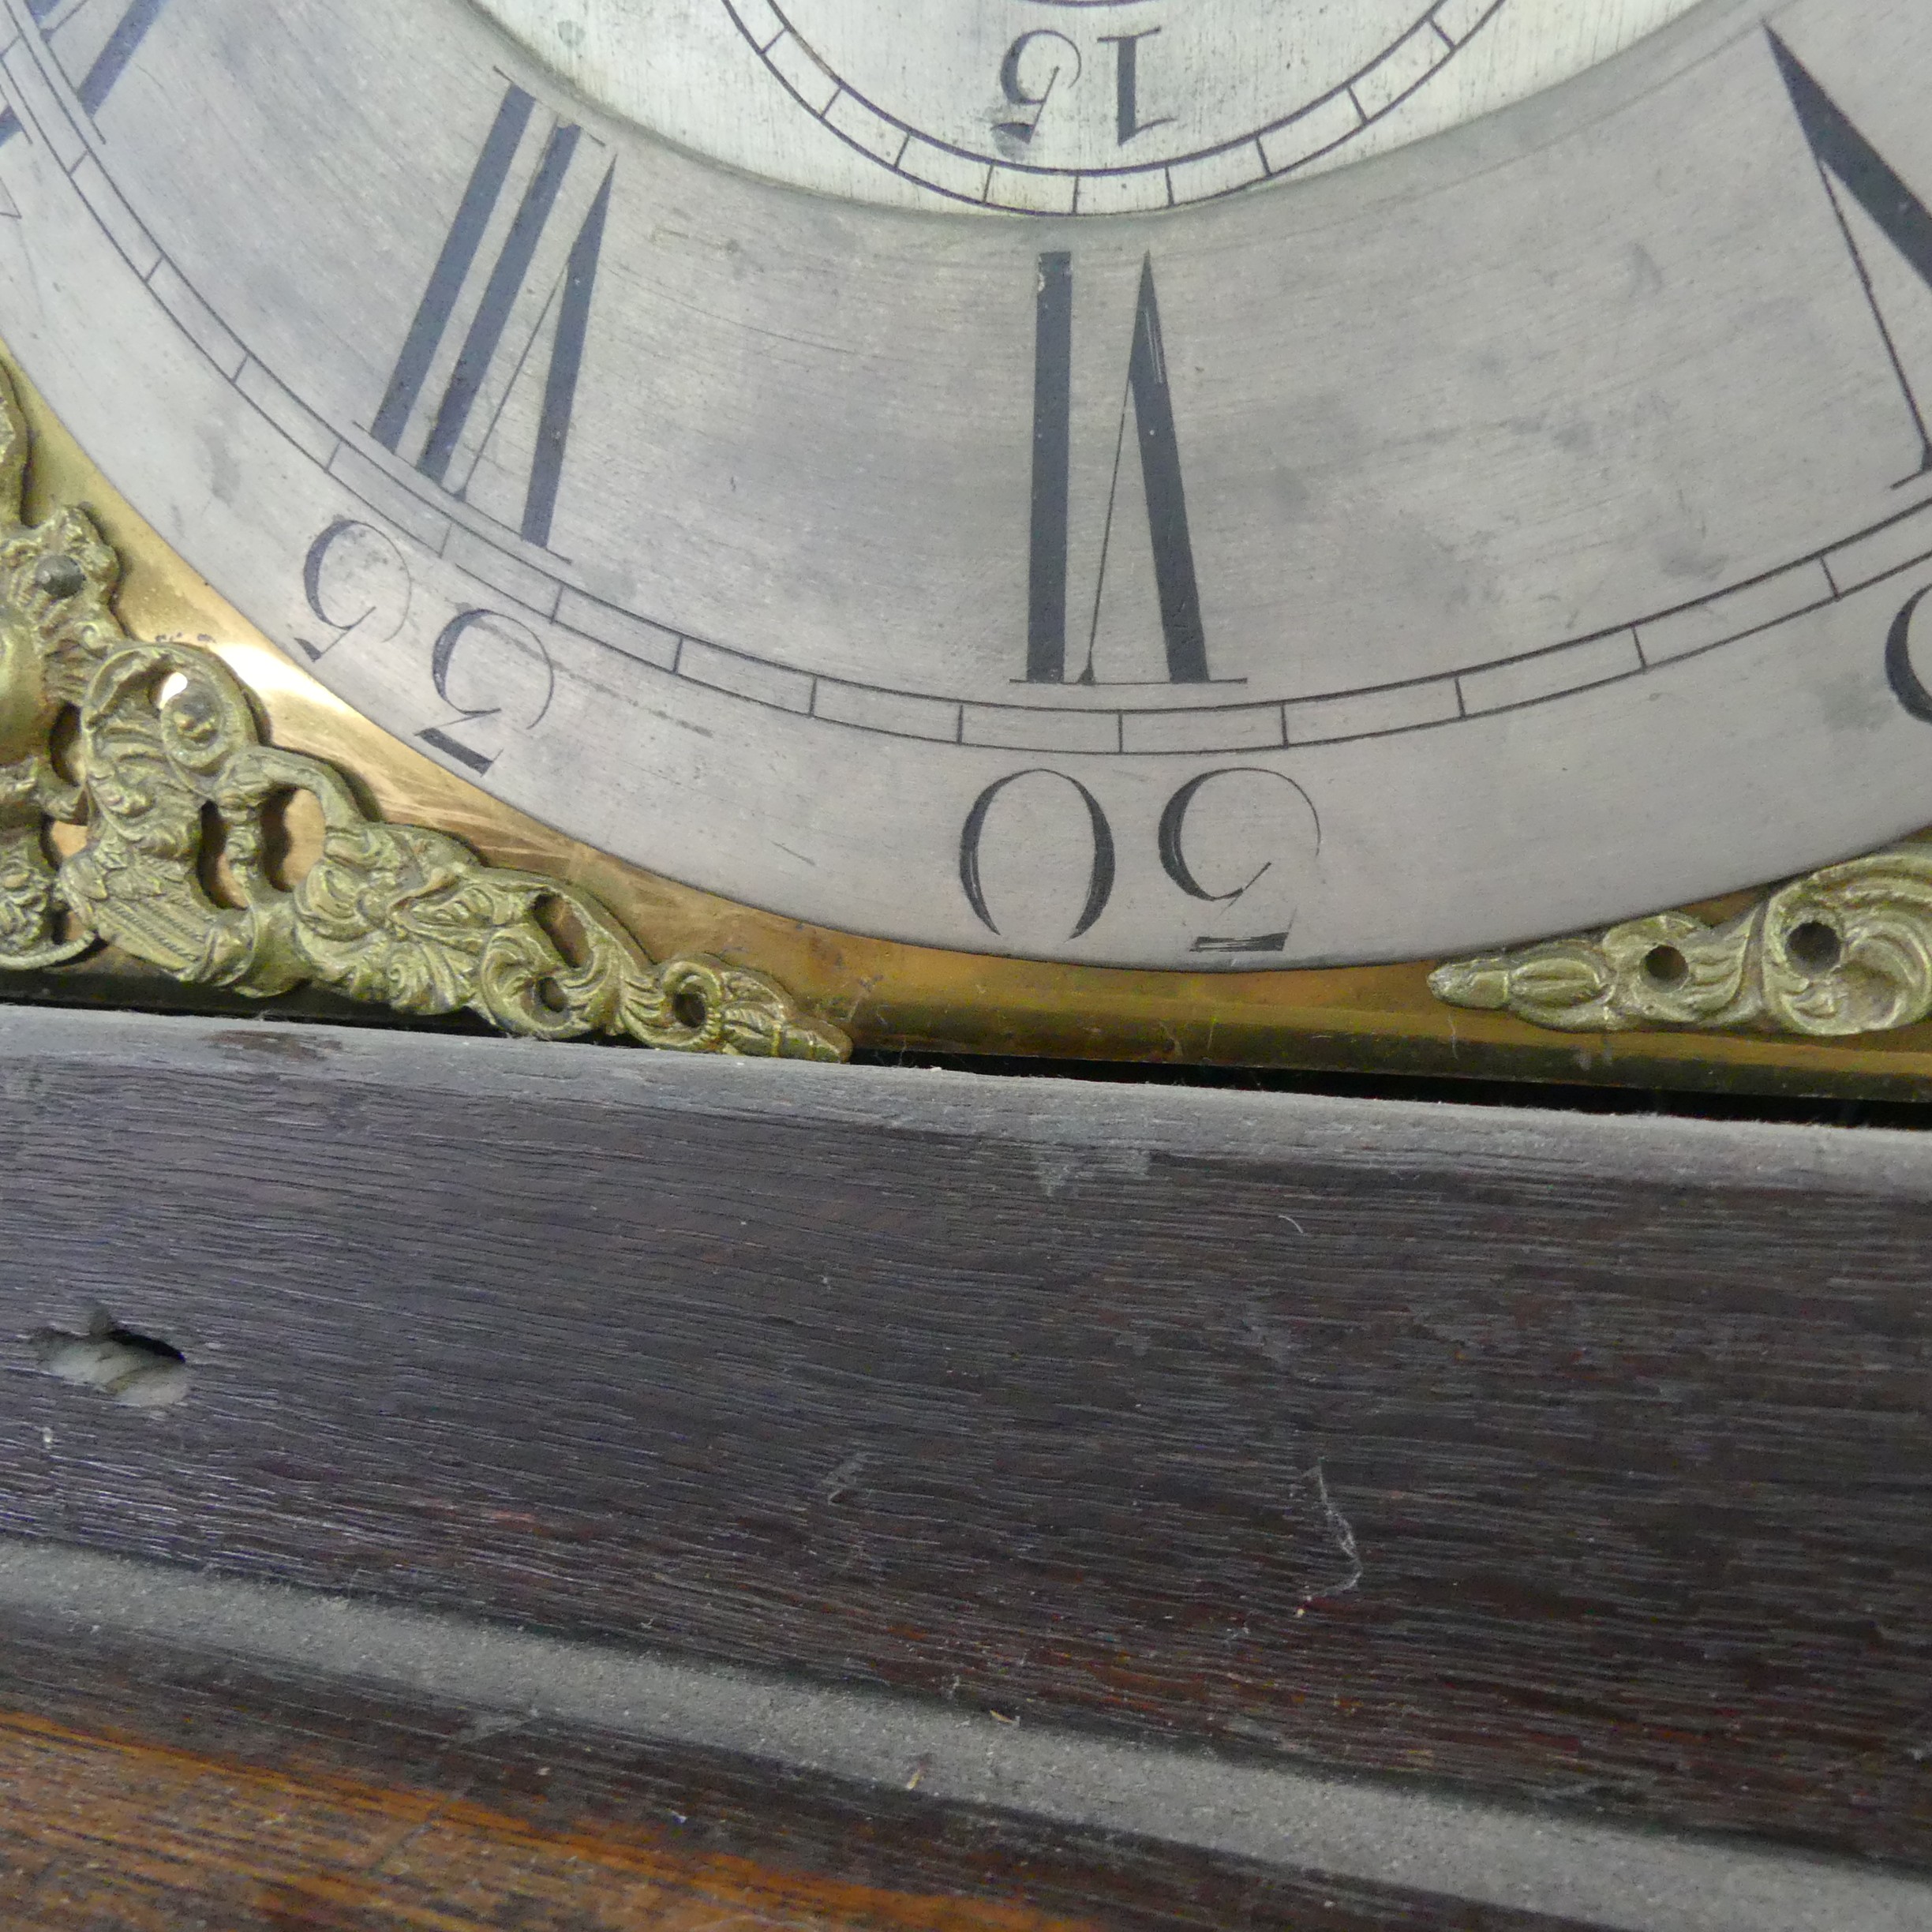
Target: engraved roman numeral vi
497,310
1150,399
109,57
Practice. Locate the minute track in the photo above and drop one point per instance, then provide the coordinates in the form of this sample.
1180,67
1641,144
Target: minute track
1887,548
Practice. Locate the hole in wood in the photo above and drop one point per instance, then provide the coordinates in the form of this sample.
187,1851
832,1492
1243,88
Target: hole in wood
137,1370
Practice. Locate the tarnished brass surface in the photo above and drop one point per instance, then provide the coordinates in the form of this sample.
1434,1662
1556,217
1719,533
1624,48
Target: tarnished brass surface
892,997
173,790
1846,949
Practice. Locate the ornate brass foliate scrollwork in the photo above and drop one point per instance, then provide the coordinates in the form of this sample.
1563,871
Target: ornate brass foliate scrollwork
168,756
1844,949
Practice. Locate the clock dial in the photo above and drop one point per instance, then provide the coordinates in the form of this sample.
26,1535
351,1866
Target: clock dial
1065,107
1508,534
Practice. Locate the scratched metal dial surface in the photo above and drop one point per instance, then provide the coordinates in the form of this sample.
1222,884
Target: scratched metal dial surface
1088,107
1512,532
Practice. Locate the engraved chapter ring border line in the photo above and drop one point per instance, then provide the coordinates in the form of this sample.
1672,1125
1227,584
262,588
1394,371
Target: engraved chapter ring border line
773,31
390,491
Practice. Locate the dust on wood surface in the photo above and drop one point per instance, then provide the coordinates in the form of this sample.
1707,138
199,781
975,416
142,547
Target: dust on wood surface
1566,1460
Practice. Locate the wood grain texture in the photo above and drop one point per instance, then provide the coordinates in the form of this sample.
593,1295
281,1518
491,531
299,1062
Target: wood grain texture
140,1837
1565,1459
128,1768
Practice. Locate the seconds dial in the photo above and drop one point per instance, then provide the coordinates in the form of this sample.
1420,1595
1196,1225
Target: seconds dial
1069,107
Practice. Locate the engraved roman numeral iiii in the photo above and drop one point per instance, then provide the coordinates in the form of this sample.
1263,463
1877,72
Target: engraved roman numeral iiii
488,359
1147,396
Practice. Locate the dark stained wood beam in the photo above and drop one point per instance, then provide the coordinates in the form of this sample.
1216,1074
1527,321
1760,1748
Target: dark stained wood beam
1555,1459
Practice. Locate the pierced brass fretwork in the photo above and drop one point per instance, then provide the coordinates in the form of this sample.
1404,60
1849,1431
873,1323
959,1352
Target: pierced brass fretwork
166,762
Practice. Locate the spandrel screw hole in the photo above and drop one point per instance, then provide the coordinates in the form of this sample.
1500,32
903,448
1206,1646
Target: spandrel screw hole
690,1011
1815,945
1664,966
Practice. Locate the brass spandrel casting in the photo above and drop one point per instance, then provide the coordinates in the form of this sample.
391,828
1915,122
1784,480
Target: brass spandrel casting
170,771
891,998
1846,949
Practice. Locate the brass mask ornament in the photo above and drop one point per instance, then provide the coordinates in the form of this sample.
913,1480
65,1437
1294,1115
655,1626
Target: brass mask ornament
171,764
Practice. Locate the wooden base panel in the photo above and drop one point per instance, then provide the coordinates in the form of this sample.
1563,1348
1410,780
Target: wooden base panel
1556,1460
